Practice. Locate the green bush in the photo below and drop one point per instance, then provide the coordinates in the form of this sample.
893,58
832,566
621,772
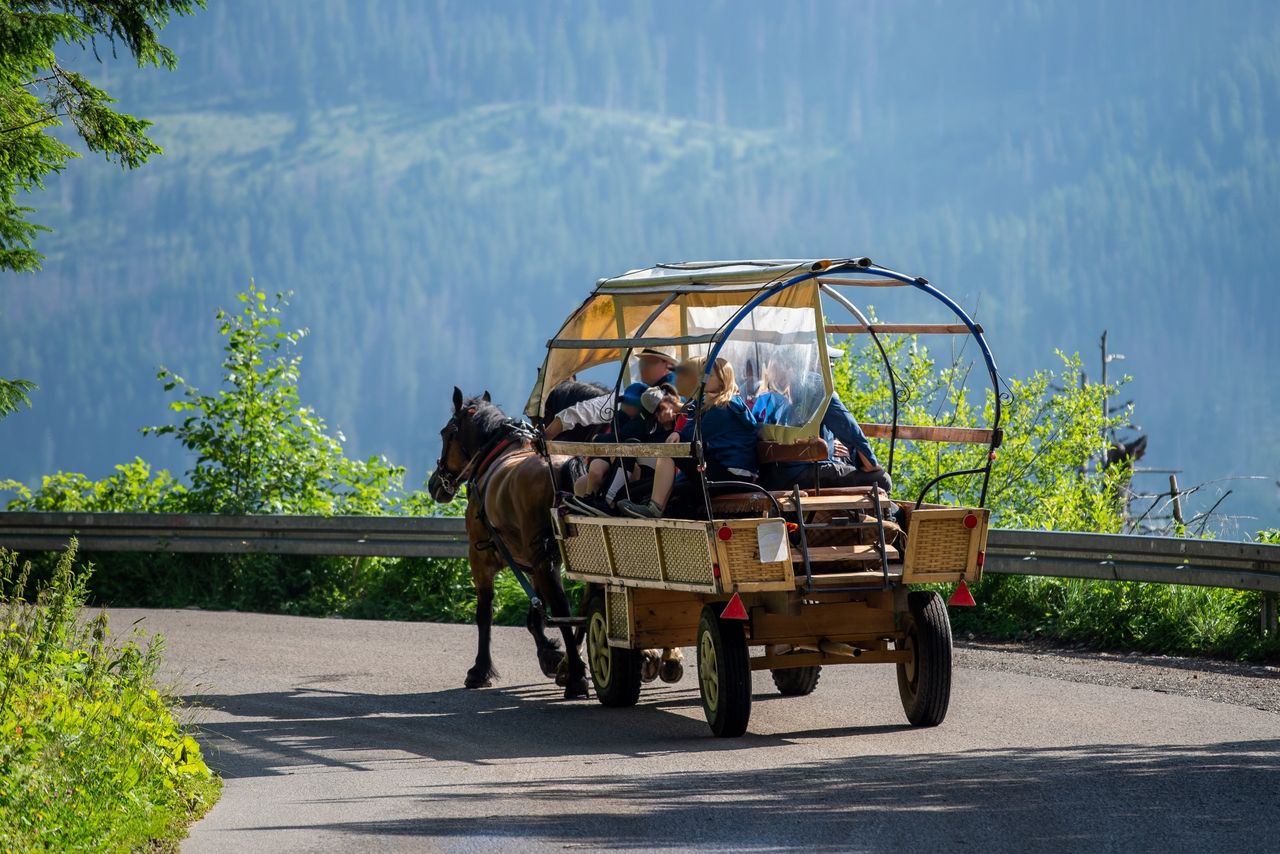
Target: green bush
1043,478
132,489
258,449
91,756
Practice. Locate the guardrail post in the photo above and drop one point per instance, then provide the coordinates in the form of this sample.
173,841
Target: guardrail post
1270,626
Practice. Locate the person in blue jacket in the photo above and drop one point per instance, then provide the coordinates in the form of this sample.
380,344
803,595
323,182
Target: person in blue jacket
729,435
851,461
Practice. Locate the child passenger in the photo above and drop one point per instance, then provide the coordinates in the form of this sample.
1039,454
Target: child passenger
728,437
650,417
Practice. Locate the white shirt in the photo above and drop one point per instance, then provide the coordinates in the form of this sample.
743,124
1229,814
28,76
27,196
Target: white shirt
594,410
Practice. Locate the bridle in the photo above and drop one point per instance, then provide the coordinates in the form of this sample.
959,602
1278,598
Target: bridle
516,432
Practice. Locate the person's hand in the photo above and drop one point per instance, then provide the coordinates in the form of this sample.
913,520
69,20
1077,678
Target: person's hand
838,449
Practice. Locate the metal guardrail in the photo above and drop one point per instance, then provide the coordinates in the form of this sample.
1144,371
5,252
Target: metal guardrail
1120,557
202,533
1113,557
1110,557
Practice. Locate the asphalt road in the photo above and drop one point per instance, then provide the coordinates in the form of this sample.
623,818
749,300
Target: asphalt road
336,735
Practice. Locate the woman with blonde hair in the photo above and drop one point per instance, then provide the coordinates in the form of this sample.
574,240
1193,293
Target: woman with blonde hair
728,432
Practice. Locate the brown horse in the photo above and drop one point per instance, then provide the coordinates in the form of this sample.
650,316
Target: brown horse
509,496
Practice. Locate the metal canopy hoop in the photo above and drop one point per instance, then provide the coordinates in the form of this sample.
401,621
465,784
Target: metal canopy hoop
651,307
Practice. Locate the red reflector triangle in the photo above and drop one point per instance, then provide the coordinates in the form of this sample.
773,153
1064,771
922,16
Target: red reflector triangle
735,610
962,596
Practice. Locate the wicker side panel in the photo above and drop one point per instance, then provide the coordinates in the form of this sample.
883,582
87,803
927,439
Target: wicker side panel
635,552
941,548
617,608
740,558
584,550
943,545
686,554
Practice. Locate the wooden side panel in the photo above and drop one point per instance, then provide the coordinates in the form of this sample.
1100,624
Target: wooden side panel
662,618
834,621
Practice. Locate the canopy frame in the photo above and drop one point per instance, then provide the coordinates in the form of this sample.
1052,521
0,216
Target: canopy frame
765,280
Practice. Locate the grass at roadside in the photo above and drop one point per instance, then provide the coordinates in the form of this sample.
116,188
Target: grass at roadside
1168,619
91,755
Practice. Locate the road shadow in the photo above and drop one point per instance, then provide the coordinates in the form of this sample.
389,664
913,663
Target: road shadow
1102,797
271,732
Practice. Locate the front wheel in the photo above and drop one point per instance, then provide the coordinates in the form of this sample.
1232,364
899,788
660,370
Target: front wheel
924,682
615,671
724,674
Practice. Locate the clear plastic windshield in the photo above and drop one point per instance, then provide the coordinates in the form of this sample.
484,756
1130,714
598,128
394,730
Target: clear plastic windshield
779,362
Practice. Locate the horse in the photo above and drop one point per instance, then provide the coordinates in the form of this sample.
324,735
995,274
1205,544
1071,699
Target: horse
509,497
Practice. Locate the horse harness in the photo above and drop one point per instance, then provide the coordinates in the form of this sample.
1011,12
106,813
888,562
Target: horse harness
516,435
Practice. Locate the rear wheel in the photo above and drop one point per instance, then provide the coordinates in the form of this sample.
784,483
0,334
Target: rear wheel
796,681
924,682
724,674
615,671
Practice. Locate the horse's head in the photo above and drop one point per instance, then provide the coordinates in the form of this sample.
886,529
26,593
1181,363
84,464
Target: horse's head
465,433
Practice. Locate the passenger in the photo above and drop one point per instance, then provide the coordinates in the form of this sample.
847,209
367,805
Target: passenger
598,467
655,368
773,403
687,376
651,417
728,432
851,462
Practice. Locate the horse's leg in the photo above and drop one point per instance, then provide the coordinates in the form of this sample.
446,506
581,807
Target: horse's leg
547,580
577,670
672,666
549,654
483,570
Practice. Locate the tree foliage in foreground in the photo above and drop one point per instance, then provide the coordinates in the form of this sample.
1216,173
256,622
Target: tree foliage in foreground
92,757
39,93
13,395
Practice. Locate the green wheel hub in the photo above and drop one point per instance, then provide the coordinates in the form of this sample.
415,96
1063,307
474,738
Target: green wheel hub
598,649
709,672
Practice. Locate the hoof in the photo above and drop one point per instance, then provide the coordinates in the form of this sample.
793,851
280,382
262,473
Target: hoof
480,678
576,689
648,666
562,673
671,671
550,661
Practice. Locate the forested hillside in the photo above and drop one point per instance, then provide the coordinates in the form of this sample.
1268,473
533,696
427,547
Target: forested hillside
439,185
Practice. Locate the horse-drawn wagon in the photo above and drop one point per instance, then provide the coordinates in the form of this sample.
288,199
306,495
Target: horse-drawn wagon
789,580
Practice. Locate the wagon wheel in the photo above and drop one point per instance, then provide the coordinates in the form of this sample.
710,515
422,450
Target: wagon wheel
615,672
924,682
796,681
724,674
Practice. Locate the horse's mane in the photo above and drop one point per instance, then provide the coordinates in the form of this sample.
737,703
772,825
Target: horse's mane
568,393
488,419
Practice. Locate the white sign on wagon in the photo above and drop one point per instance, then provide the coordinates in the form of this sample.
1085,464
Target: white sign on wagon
771,537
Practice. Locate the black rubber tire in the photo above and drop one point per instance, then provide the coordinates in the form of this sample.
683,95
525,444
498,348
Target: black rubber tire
615,672
925,684
796,681
724,673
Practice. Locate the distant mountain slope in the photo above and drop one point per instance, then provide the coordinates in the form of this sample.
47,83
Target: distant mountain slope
440,188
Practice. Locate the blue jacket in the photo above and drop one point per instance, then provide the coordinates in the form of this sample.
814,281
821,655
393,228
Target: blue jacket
771,408
728,435
840,424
